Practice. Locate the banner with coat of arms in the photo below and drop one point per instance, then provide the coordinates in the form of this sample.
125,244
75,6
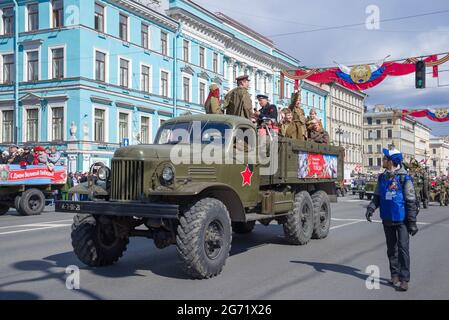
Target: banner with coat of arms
362,77
438,115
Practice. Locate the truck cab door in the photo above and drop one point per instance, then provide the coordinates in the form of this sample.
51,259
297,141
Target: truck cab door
243,173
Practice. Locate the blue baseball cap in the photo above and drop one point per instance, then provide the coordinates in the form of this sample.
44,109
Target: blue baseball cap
394,155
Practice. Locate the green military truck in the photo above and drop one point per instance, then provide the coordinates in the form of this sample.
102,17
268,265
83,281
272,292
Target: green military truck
367,189
196,206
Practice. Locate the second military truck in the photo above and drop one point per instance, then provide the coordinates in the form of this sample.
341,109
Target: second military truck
196,206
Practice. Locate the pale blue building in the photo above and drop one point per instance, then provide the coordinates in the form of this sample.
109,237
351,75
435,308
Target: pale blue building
97,74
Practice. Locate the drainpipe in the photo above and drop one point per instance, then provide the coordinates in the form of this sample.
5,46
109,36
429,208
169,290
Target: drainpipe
175,71
16,72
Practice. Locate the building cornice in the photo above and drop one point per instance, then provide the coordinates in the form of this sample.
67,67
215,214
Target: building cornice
228,40
147,13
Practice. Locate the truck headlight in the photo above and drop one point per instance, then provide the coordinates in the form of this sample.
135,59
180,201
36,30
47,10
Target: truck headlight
168,174
103,173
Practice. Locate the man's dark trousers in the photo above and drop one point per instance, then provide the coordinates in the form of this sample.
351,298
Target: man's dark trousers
398,250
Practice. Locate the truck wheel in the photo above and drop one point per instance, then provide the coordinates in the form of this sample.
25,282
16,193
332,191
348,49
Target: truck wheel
322,213
31,203
243,227
204,238
3,209
298,227
95,243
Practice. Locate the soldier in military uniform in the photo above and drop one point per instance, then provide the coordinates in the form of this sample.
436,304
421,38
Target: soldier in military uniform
212,104
238,101
316,132
289,129
443,188
268,110
299,116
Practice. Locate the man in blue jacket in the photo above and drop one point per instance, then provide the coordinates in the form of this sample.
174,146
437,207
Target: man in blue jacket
395,196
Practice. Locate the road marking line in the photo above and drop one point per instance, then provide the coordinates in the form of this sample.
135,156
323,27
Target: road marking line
36,224
344,225
35,229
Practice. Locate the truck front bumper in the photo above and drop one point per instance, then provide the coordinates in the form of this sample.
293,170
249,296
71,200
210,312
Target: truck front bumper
120,209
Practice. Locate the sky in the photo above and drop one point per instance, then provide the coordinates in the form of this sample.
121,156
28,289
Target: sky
399,38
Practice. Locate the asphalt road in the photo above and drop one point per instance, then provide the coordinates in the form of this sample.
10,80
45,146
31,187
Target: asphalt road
35,251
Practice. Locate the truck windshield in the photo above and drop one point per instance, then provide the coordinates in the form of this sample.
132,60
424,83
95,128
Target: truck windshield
188,132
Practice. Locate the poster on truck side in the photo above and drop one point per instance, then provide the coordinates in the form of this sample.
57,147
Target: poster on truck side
32,175
317,166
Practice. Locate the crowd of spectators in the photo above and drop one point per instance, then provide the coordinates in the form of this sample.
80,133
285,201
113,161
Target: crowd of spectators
29,155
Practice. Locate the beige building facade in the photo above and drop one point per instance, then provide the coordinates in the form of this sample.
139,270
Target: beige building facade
344,114
439,155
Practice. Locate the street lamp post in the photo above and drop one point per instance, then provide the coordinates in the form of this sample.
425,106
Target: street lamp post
340,132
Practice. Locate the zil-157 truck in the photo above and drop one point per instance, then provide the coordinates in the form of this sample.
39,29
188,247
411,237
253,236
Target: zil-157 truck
196,205
28,188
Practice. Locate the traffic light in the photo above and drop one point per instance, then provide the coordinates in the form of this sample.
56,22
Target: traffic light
420,75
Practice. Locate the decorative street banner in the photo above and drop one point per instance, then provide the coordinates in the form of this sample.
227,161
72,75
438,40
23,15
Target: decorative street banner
313,165
362,77
439,115
32,175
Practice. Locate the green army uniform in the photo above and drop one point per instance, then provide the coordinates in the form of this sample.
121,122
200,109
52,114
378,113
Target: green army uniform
299,117
238,103
290,130
212,105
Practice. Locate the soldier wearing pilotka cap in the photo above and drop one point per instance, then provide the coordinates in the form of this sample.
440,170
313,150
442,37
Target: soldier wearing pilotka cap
238,101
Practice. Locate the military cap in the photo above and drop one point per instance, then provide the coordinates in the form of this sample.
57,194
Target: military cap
262,96
243,77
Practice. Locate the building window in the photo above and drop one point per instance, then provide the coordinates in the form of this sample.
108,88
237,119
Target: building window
99,125
186,88
99,17
370,162
389,121
378,121
57,63
215,62
370,149
33,17
8,21
185,50
32,125
379,148
123,25
8,68
124,73
145,130
265,85
378,134
202,57
145,36
234,74
202,93
58,13
33,65
145,85
123,126
7,126
164,84
256,81
164,43
390,134
369,120
100,66
57,123
379,162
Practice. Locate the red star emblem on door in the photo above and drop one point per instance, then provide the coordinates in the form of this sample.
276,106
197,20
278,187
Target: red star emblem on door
246,175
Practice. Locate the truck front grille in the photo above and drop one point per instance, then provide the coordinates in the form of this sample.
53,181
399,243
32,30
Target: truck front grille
127,180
